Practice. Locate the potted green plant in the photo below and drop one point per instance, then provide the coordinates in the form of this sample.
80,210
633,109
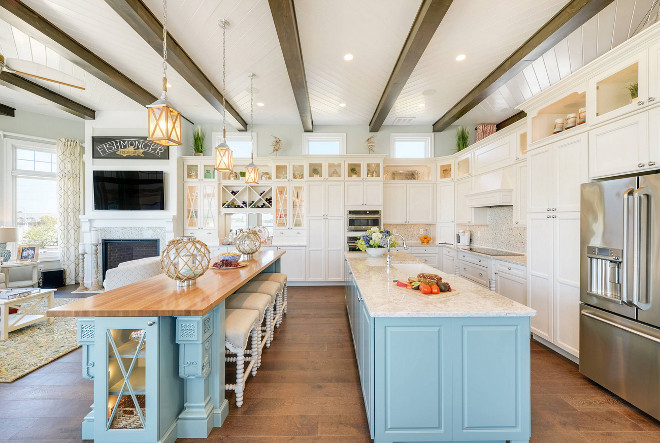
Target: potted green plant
462,137
198,141
633,89
316,172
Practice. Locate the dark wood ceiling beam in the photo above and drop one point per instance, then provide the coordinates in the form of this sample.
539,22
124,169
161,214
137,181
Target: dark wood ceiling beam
143,21
7,111
66,104
29,21
511,120
570,18
429,17
286,25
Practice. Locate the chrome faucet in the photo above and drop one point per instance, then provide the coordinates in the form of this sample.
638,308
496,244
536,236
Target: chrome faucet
389,241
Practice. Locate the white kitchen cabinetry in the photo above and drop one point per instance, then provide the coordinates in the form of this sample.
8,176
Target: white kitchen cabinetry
409,203
494,155
293,262
325,249
510,281
364,193
325,199
448,260
290,206
463,211
621,147
445,228
200,205
553,282
428,254
555,174
366,169
520,200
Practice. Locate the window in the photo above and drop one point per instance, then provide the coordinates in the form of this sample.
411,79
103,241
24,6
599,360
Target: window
242,145
411,145
34,205
324,144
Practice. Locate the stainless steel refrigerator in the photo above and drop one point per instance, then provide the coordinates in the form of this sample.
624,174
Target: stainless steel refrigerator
620,288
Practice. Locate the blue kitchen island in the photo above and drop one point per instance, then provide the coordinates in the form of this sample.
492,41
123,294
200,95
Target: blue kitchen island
441,368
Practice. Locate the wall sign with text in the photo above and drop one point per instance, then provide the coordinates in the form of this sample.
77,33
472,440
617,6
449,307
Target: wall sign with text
128,148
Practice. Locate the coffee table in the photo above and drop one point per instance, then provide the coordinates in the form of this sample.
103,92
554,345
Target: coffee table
27,315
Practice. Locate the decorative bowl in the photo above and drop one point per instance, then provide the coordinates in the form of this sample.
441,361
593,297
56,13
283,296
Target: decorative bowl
375,252
231,256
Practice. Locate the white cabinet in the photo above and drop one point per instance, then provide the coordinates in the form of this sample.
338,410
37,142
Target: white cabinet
463,211
364,193
293,262
428,254
325,199
448,257
495,155
555,174
445,229
520,201
290,206
553,279
621,147
409,203
510,281
325,249
200,201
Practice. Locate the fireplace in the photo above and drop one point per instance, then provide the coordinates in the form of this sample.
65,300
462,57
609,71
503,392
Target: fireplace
116,251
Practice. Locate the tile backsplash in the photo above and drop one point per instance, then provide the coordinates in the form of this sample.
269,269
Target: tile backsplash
499,233
411,232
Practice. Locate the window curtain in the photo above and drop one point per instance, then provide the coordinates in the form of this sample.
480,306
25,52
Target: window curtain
69,162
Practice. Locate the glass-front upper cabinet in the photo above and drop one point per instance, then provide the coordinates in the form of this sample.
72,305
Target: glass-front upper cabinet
463,166
297,206
364,169
445,169
209,206
619,90
325,170
285,171
290,206
282,206
191,210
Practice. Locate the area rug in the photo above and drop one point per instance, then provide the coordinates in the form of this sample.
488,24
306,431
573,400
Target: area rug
37,345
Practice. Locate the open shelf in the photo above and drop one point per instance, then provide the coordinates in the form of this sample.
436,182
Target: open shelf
612,92
408,172
234,197
261,197
543,123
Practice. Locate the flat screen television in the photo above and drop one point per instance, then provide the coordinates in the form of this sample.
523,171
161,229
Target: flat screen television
129,190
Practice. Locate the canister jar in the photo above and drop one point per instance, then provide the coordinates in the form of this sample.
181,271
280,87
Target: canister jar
571,121
559,126
582,116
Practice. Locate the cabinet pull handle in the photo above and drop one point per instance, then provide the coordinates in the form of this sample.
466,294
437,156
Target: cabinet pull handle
641,165
640,103
651,99
151,323
516,222
547,216
651,163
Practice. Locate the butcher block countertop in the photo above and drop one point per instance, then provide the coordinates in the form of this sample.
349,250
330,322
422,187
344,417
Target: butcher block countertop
159,296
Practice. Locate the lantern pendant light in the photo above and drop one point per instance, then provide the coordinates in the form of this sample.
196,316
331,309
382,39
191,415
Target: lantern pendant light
164,121
224,157
251,171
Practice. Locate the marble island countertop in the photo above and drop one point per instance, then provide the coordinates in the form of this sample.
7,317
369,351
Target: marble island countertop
384,299
518,259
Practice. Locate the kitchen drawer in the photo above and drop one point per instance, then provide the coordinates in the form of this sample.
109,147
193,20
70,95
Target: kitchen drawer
289,233
511,269
472,258
477,274
423,250
449,252
429,259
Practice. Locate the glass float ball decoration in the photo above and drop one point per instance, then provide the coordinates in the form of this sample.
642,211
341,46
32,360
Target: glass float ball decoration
185,259
248,242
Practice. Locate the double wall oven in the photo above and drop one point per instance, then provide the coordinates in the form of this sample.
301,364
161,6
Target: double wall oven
620,288
358,223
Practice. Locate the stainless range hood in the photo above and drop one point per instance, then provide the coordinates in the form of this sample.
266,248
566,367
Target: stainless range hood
492,189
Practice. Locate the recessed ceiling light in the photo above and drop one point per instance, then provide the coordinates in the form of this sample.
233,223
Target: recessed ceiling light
343,105
348,57
460,57
260,104
421,105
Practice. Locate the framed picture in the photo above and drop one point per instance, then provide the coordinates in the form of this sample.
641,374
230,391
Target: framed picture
28,253
128,148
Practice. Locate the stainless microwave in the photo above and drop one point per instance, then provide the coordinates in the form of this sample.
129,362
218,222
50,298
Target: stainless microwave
363,220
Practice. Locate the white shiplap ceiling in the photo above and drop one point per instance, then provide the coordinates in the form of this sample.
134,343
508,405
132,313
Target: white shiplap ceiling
487,32
612,26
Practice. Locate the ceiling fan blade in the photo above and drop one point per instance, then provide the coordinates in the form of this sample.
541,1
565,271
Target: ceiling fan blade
43,72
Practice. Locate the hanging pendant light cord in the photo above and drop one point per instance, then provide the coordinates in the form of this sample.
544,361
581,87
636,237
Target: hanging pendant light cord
164,46
223,23
252,116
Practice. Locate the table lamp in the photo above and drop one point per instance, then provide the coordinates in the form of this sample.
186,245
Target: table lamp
7,235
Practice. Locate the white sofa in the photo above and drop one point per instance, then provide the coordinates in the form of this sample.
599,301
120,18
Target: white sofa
131,272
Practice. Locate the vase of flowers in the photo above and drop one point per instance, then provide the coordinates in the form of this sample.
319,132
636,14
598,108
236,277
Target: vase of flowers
374,242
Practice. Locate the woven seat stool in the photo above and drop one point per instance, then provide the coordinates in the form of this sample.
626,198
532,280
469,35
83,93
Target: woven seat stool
240,325
282,280
262,303
274,289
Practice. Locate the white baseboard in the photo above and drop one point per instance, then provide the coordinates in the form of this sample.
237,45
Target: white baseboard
316,283
557,349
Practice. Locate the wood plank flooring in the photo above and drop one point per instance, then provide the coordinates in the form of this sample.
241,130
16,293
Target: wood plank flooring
307,391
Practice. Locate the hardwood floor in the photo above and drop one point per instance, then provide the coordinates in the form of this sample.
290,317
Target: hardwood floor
307,391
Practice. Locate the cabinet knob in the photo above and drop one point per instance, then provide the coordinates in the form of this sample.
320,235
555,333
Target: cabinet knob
151,323
651,99
547,216
547,209
640,165
516,222
554,216
651,163
554,209
640,103
509,268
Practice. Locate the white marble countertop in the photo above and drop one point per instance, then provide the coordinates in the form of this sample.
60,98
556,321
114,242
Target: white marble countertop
384,298
517,259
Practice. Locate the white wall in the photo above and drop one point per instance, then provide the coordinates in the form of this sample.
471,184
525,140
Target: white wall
356,136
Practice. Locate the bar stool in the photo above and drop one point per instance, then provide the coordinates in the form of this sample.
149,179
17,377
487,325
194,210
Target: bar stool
240,324
271,288
259,302
279,278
